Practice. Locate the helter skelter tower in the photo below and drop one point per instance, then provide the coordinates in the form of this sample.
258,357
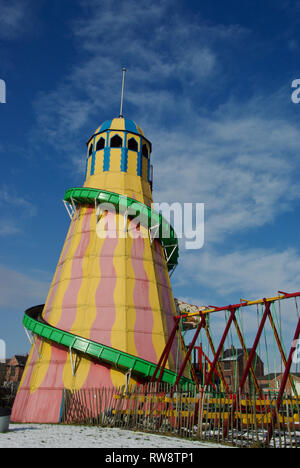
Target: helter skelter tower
110,308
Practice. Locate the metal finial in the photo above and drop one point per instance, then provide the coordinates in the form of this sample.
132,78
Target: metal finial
122,94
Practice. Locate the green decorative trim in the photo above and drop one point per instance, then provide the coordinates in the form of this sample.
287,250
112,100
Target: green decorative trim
148,217
34,322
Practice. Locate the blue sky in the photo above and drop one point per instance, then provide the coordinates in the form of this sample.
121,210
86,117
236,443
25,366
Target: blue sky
210,85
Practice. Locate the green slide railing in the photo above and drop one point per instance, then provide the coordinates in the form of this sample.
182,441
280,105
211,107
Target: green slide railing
146,216
34,322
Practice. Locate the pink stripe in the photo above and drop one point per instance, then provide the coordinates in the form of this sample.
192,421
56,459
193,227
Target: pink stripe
54,374
58,273
25,402
69,305
35,407
104,297
30,364
165,293
144,315
99,376
105,305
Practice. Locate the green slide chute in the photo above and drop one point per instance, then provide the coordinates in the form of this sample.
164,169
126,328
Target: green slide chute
146,215
34,322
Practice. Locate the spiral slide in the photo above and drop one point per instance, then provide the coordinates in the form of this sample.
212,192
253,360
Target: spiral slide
149,218
34,322
110,308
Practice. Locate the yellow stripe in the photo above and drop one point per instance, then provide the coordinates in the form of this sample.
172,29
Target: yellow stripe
66,273
41,366
158,335
118,123
27,367
58,266
122,336
85,315
160,314
89,166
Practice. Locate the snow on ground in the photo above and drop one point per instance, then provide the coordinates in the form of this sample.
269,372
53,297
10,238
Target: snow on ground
58,436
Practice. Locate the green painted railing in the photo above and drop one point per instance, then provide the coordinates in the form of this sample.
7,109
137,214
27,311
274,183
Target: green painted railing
34,322
146,216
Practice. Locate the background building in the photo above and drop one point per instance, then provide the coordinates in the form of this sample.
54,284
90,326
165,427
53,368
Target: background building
15,368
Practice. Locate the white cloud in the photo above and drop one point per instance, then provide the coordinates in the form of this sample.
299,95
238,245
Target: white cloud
12,14
8,196
255,273
14,210
245,169
160,50
20,290
8,227
240,158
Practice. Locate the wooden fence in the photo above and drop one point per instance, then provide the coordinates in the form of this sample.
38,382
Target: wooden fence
240,420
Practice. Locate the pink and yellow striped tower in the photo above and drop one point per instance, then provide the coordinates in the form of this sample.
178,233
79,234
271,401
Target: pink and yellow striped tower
109,288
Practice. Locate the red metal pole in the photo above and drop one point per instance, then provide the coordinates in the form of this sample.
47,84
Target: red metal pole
199,352
283,383
249,363
220,371
254,347
281,350
232,310
165,353
246,354
204,370
191,347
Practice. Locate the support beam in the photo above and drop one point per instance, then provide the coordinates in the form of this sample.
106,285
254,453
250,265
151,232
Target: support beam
153,231
73,201
249,362
212,309
164,357
283,383
212,347
31,340
254,347
169,255
192,369
240,335
191,347
281,350
208,361
232,310
127,380
73,363
172,271
69,209
98,211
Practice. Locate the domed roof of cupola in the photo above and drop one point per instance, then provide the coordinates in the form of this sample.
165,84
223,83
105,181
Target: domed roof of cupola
121,124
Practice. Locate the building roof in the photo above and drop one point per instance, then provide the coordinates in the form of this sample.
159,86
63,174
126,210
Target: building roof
21,359
231,358
231,354
274,375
